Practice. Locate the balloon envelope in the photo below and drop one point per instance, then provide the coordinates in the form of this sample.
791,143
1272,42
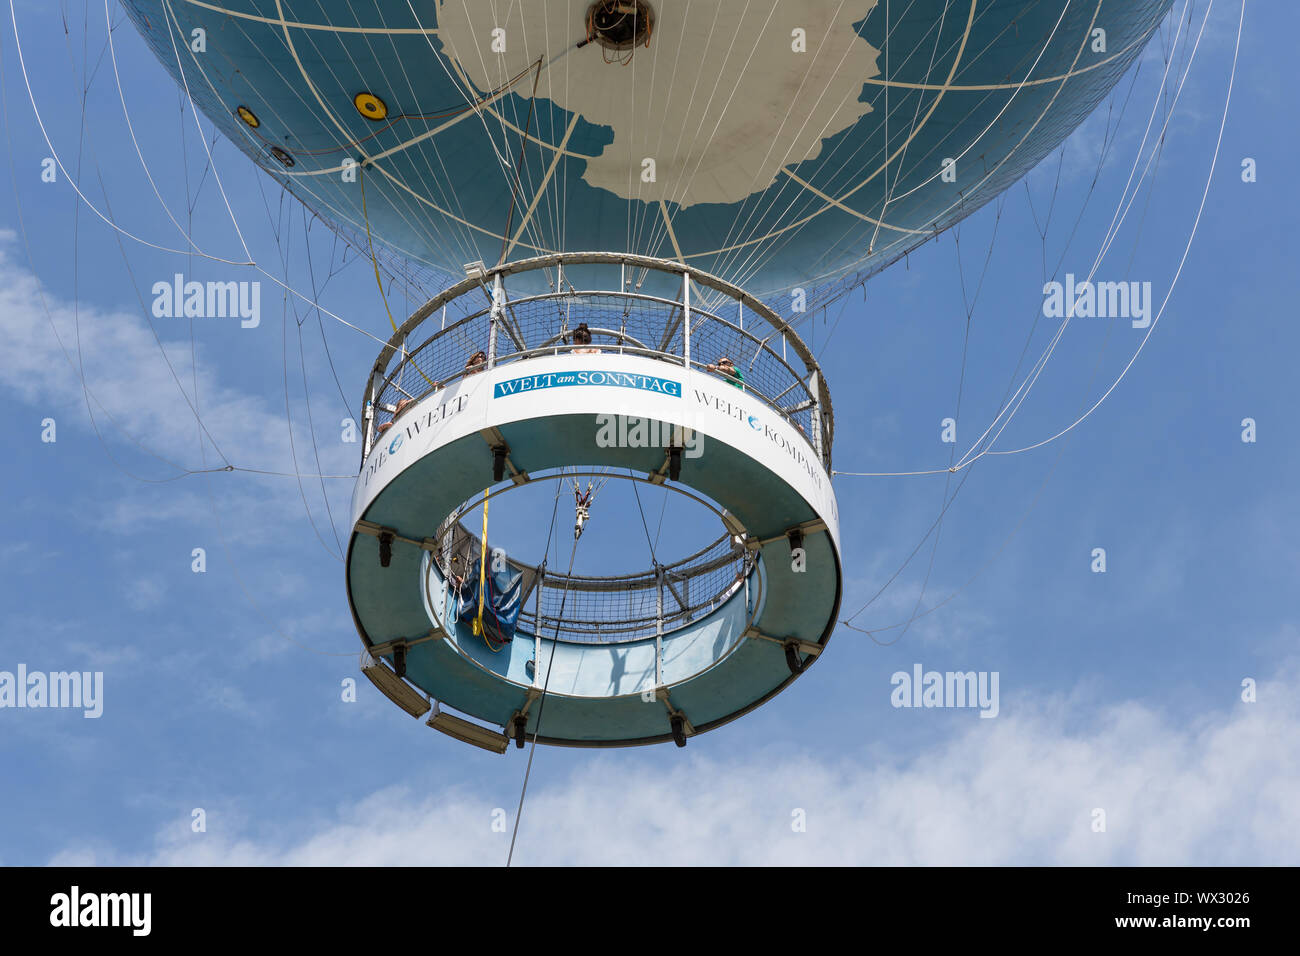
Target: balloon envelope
775,144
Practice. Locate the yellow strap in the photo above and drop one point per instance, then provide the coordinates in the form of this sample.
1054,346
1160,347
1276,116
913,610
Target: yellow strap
482,566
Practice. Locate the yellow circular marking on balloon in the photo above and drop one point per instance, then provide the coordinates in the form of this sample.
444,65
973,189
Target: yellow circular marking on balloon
249,117
370,106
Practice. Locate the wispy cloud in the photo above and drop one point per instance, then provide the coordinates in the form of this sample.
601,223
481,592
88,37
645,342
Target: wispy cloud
144,593
1022,789
144,393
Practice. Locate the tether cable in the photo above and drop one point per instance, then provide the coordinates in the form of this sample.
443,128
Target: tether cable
541,702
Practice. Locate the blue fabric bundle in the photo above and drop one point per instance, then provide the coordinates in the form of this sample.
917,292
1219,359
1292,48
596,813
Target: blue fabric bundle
501,605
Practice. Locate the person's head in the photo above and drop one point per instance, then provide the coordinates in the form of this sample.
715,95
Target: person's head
726,364
582,335
476,361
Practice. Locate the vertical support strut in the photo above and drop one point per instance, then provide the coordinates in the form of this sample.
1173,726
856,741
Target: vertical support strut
686,319
444,550
406,364
537,627
814,392
368,424
659,625
495,318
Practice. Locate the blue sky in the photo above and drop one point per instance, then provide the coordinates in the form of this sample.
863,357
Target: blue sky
1120,691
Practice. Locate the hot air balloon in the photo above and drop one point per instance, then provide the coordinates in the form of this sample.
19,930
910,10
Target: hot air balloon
679,181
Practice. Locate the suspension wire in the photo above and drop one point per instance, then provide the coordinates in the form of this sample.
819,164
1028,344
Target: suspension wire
753,261
948,500
523,145
306,390
1177,274
202,445
961,391
380,282
297,475
967,473
311,427
121,231
370,248
73,181
950,470
646,526
663,510
1022,392
1066,431
78,365
1112,232
316,292
541,703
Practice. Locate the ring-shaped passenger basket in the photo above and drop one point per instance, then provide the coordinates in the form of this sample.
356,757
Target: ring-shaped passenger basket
621,661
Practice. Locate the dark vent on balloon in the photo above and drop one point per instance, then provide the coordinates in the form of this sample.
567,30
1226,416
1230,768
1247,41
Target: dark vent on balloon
620,25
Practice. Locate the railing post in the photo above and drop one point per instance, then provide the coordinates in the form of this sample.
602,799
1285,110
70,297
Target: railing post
659,625
368,423
815,423
537,627
444,549
494,318
401,369
686,319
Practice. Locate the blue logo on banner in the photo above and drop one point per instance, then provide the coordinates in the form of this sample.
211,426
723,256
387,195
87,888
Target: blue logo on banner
645,383
394,445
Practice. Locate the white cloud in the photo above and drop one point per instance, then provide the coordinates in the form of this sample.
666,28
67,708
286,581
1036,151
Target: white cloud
150,408
125,370
144,593
1016,790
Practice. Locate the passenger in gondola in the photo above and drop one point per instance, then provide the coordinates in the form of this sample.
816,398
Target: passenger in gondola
473,365
401,407
727,369
582,339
